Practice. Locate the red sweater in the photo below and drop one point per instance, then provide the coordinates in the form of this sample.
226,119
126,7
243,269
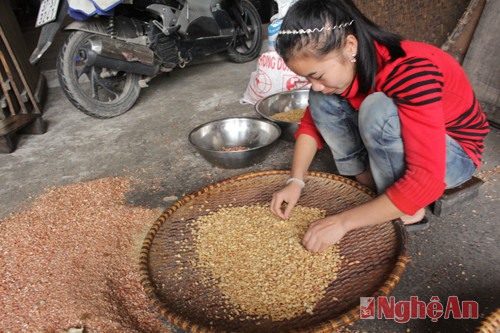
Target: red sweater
434,98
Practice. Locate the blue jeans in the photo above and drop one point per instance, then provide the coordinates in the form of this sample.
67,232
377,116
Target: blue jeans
373,135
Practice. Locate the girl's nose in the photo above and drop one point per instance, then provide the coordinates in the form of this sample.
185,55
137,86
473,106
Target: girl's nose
317,86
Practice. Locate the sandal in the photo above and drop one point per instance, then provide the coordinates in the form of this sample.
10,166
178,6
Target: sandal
418,226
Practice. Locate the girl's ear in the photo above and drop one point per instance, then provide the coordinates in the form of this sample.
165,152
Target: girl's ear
351,45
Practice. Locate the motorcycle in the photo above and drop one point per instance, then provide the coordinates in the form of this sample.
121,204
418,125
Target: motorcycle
106,60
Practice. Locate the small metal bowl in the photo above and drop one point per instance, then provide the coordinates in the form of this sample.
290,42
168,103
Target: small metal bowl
257,135
282,102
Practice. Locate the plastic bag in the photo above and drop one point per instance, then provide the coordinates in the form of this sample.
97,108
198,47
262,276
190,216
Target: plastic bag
272,76
272,33
283,6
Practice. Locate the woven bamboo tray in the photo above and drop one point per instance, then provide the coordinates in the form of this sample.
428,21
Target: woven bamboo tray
381,251
436,22
491,324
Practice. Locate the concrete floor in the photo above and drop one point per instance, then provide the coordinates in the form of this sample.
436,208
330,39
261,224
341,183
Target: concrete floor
457,256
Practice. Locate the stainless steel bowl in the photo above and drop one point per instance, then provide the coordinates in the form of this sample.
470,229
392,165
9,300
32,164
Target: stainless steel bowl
282,102
257,135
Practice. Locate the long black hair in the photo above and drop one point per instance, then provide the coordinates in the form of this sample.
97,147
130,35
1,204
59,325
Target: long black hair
310,14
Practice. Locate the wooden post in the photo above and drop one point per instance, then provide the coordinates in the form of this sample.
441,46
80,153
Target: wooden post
17,50
18,79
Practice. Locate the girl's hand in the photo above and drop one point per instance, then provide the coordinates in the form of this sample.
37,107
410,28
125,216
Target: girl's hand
289,194
324,233
328,231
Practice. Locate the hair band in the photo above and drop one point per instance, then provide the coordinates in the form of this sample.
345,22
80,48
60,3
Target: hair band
310,31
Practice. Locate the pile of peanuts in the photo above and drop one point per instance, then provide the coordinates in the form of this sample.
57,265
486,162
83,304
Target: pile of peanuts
293,116
259,262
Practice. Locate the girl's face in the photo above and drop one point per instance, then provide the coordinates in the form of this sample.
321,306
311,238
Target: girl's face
332,73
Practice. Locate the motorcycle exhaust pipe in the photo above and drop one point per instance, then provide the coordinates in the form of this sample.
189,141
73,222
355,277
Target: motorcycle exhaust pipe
118,55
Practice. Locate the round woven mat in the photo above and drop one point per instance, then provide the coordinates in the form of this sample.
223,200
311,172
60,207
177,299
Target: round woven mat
171,281
491,324
428,21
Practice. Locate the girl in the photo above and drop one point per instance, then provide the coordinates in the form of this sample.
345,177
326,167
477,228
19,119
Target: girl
398,115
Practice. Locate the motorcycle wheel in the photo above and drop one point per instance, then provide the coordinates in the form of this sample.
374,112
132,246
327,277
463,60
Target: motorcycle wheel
96,91
246,48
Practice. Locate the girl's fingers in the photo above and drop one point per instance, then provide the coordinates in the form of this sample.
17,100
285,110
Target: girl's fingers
306,240
288,210
276,207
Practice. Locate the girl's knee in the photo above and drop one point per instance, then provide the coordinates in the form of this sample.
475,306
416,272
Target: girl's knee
320,103
375,107
376,112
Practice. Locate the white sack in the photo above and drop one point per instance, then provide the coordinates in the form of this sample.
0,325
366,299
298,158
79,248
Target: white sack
272,76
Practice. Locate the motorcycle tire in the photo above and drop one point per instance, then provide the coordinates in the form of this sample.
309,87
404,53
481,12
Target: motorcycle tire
244,49
96,91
